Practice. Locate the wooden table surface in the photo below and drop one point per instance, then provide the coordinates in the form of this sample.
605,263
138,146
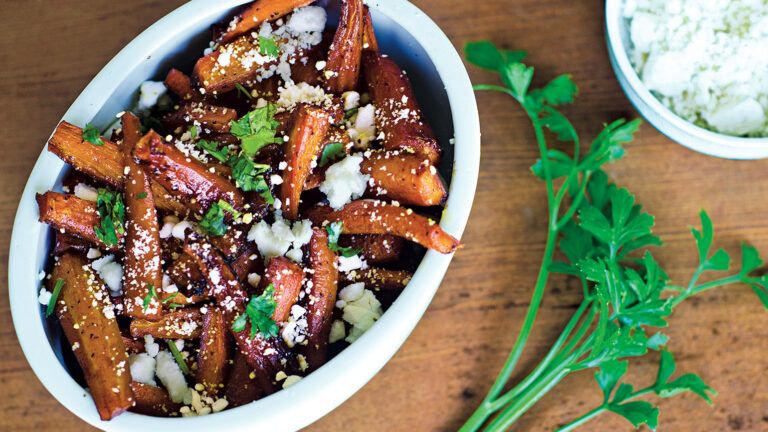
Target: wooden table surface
50,50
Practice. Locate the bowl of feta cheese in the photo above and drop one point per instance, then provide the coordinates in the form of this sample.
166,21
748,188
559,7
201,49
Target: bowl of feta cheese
697,70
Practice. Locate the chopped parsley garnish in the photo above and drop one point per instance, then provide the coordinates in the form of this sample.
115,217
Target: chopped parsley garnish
54,296
331,153
334,231
193,131
212,148
213,221
153,294
92,135
249,176
178,357
268,47
348,114
141,195
242,90
259,311
256,130
112,213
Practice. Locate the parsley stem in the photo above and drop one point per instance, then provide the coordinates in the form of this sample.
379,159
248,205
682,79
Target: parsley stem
493,88
698,289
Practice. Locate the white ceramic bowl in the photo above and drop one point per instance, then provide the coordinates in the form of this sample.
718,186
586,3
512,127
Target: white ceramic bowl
443,87
661,117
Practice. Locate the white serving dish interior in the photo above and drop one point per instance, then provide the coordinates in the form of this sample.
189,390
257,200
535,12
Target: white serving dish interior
442,86
661,117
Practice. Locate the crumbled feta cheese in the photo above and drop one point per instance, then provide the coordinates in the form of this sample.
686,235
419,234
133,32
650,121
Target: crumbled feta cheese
254,279
179,230
338,332
308,19
111,273
344,181
347,264
291,380
169,373
88,193
93,253
142,368
149,93
363,130
361,309
292,94
295,329
351,100
44,297
275,240
150,346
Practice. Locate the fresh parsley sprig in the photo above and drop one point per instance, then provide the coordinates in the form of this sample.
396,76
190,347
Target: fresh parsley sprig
259,312
334,230
604,235
213,222
331,153
92,135
256,130
153,294
111,209
268,47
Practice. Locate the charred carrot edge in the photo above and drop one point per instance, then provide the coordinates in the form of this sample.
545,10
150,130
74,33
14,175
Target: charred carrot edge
369,36
214,350
184,272
180,84
93,335
188,180
377,217
391,93
257,13
404,177
141,267
343,67
335,135
286,276
67,243
76,216
232,243
103,163
325,277
213,118
310,126
132,345
249,261
215,78
379,279
241,389
153,401
375,248
183,323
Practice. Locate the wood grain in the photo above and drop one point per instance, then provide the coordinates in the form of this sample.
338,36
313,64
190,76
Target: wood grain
50,50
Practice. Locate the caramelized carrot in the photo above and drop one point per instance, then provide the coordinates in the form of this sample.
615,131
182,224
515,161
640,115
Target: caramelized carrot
141,267
93,335
379,279
257,13
217,76
214,351
286,276
369,36
343,67
152,401
242,387
181,85
325,277
183,323
404,177
212,118
376,217
375,248
73,215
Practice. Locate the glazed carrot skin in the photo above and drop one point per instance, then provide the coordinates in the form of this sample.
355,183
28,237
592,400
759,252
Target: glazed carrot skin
248,261
325,278
67,243
369,36
76,216
183,323
375,248
309,128
152,401
185,273
379,279
181,85
211,117
398,114
95,338
343,67
141,266
214,350
377,217
103,163
404,177
241,389
217,78
259,12
286,276
188,180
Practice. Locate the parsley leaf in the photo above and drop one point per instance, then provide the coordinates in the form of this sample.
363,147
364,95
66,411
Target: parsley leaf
153,294
112,214
212,148
213,222
141,195
268,47
250,176
54,297
259,312
334,231
485,55
331,153
92,135
256,129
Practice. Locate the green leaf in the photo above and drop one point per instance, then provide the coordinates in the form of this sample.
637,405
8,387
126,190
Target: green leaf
250,176
657,341
593,221
54,297
256,129
560,165
622,393
141,195
688,383
666,368
517,77
111,209
212,148
485,55
561,90
148,298
760,289
334,231
638,413
609,375
704,237
268,47
576,243
213,221
259,312
750,259
720,261
92,135
331,153
556,122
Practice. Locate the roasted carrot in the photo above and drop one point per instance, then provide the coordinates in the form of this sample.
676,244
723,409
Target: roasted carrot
376,217
185,273
343,68
369,36
247,262
241,387
103,163
404,177
67,243
398,114
379,279
152,401
185,323
286,276
214,350
181,85
257,13
188,180
93,334
375,248
310,125
324,278
73,215
212,118
142,269
217,76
